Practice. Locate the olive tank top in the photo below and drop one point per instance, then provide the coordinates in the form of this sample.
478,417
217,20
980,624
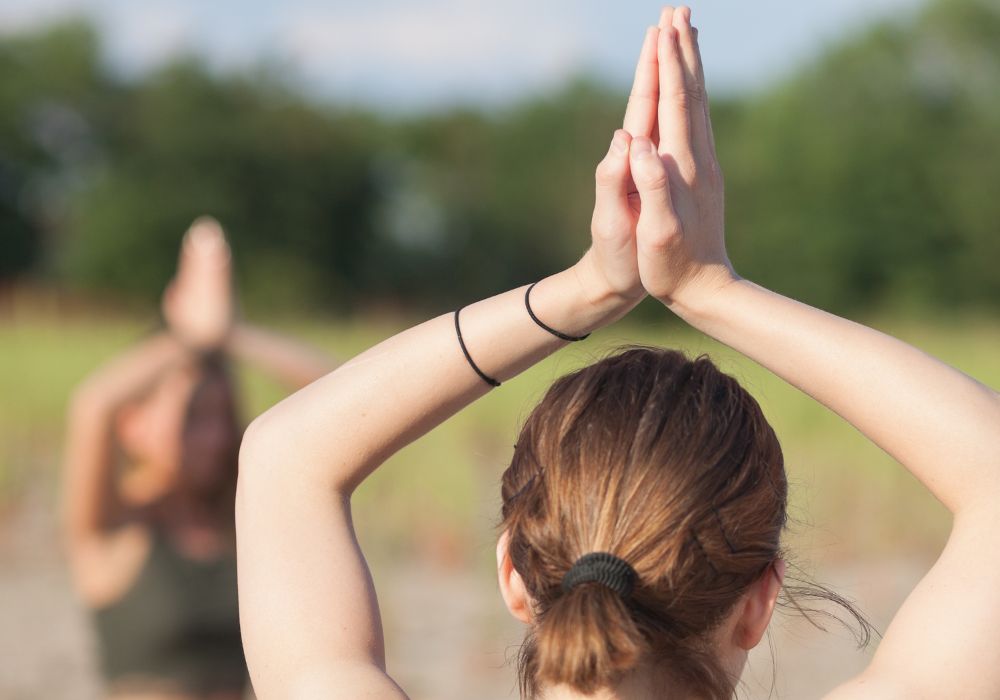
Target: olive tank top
176,627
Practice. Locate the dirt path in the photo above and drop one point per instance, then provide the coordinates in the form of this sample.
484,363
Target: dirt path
448,635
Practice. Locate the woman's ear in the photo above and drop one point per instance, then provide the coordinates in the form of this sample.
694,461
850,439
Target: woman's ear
512,588
759,606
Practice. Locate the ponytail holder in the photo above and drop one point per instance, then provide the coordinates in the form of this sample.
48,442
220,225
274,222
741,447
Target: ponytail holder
603,568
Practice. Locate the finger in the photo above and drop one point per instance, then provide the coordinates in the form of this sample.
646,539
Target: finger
704,91
693,84
674,113
611,210
653,184
205,245
640,115
666,17
206,235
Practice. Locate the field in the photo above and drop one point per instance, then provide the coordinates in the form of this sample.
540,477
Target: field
426,519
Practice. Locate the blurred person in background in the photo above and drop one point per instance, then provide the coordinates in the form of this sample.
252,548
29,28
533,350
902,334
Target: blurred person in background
149,483
646,498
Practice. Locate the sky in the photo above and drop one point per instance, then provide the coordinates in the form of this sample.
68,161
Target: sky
420,55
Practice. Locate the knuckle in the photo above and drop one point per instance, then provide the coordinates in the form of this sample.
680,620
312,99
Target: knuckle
607,172
605,228
651,179
660,239
689,96
636,96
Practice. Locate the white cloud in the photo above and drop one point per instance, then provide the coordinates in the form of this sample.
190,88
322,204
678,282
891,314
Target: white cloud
19,15
144,35
445,46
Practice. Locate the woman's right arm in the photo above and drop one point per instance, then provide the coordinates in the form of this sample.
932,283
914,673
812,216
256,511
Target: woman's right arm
942,425
198,308
89,502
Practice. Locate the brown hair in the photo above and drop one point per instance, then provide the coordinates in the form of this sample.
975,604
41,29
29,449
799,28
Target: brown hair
669,464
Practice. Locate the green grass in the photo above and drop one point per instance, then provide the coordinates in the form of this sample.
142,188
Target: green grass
439,496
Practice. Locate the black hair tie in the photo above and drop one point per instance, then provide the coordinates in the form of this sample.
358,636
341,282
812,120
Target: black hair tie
604,568
465,351
550,329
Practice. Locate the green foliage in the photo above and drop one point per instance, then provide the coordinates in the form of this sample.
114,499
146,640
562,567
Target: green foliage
866,179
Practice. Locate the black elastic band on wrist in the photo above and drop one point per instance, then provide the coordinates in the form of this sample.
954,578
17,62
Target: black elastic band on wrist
553,331
603,568
465,351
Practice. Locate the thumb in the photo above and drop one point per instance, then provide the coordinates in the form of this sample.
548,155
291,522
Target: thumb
611,210
653,184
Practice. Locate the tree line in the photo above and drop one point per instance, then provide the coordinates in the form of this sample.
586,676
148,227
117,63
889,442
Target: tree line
866,179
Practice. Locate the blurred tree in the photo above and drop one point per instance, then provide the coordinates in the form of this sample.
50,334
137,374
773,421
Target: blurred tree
51,91
866,179
869,175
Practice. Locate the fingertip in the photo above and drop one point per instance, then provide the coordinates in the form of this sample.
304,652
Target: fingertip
667,43
205,231
649,41
666,16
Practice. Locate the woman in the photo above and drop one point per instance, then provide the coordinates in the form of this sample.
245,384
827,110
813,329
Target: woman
151,545
644,503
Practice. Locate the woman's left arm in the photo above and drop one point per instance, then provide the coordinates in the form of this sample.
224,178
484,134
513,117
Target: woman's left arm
309,614
308,609
291,362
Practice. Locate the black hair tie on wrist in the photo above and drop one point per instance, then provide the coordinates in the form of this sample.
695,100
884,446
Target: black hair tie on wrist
604,568
465,351
553,331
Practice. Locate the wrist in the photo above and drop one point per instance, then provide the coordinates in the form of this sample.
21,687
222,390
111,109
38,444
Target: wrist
604,300
202,343
699,297
567,302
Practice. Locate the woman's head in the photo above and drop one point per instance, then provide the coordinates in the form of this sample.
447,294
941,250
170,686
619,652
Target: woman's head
184,432
670,465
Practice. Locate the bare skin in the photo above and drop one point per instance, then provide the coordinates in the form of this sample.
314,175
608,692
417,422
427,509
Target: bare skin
309,613
137,404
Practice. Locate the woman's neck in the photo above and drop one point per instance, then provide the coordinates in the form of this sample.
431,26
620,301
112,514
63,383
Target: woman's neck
636,686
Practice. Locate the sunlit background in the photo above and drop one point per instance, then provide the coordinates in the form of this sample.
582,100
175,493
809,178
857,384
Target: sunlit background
375,163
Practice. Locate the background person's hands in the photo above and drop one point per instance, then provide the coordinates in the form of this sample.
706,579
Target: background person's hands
198,302
680,240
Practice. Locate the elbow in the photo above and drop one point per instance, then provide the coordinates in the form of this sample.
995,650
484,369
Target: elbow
257,445
279,455
255,476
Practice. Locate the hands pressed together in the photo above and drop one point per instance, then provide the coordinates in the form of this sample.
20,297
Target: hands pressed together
198,302
658,223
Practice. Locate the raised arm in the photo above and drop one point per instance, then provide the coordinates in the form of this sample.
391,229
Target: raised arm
309,615
291,362
197,306
90,506
940,424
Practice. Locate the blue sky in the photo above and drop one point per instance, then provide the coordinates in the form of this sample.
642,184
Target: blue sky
418,55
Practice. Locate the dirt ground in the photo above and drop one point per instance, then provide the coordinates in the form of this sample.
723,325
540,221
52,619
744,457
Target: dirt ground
448,636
